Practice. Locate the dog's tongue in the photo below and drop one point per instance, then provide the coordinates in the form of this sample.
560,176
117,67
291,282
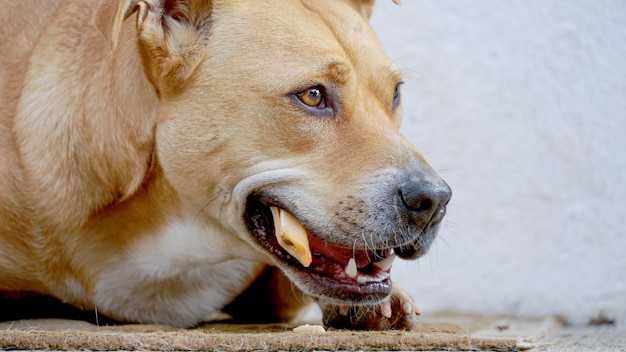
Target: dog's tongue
294,238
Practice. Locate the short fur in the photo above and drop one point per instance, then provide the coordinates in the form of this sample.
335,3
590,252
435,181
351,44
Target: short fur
133,133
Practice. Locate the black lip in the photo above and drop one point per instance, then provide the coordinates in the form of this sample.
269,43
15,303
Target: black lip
315,279
345,291
260,224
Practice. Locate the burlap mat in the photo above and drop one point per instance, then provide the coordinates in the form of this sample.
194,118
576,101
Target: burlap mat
440,332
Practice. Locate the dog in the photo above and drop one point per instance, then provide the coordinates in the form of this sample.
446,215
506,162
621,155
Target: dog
184,161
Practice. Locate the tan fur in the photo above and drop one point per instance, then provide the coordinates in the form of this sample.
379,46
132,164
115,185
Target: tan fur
119,119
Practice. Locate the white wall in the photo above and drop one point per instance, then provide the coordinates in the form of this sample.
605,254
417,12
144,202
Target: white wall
521,105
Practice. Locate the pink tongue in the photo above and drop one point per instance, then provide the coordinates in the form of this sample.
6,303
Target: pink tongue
338,254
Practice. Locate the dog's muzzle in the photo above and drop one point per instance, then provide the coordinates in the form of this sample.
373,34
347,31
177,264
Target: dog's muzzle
347,255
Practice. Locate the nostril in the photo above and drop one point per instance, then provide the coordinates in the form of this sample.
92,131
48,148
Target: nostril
424,201
421,203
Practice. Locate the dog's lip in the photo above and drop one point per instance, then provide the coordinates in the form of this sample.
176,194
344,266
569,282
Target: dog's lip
329,262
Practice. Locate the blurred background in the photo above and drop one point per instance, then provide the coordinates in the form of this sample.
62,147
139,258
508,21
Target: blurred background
521,106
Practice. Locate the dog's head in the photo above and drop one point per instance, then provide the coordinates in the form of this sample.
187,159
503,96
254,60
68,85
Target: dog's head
284,115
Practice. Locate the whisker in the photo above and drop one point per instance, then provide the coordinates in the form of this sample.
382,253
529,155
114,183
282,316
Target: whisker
224,199
199,213
368,246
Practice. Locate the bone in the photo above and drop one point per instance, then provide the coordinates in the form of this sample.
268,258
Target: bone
292,236
311,329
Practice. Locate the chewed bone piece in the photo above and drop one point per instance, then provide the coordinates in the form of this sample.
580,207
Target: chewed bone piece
313,329
292,236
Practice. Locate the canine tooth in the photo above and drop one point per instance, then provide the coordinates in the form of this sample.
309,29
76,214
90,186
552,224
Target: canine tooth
351,268
292,235
386,263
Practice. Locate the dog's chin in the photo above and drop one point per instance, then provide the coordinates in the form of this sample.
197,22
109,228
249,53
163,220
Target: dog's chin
350,275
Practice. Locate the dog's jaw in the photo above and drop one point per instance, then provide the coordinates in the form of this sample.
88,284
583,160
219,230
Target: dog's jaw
340,273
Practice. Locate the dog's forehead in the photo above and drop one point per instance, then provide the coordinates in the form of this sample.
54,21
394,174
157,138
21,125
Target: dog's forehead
357,39
349,29
328,36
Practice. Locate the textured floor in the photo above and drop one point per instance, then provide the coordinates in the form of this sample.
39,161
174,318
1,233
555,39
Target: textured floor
608,338
454,332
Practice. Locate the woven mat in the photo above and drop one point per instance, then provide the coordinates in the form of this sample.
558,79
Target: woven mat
440,332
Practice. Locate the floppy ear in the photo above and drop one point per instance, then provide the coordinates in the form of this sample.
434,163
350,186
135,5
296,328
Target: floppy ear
174,34
365,6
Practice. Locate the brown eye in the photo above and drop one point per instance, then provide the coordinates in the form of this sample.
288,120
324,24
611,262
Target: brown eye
396,97
313,97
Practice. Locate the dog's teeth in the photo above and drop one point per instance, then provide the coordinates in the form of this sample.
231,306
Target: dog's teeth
351,268
292,235
380,277
386,263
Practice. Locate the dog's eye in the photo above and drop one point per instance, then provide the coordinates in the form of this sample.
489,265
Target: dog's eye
396,97
313,97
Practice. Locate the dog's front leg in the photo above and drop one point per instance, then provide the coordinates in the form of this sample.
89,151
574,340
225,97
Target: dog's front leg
271,298
399,311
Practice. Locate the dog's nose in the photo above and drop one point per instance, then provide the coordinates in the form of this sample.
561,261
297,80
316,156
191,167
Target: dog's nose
425,201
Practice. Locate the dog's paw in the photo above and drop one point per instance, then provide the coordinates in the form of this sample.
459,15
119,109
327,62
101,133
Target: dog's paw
398,312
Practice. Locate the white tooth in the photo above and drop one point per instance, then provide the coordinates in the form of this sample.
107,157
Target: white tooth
386,263
351,268
380,277
292,236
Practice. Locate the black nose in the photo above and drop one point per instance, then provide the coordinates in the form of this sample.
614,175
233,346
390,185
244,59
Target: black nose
425,201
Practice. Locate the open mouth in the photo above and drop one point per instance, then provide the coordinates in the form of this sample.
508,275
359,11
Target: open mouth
346,274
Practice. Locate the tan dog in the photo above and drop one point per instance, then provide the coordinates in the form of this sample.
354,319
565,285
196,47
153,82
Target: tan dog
155,155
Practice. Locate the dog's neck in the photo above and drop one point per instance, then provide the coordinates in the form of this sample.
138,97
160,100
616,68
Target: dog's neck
95,147
119,155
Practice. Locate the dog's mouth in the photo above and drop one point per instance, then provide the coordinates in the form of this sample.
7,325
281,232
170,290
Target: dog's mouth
324,269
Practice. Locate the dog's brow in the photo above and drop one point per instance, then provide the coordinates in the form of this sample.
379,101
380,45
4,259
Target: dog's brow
338,71
396,73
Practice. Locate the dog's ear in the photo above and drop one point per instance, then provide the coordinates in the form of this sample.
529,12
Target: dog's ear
109,16
365,6
174,34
